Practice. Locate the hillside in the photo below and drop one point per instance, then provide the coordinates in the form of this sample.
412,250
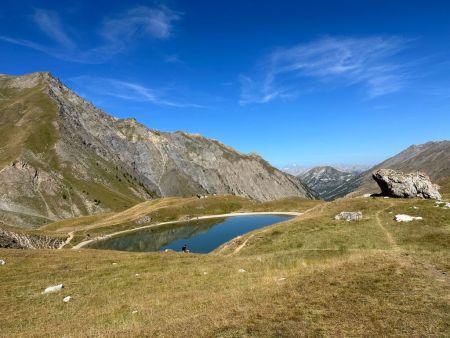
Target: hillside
432,158
309,276
325,179
62,157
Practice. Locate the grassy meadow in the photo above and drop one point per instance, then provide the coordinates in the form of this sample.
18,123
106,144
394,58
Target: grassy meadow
309,276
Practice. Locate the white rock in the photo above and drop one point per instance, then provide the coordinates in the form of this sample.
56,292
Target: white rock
205,273
281,279
137,275
414,207
367,195
386,197
67,299
54,288
406,218
349,216
242,270
134,312
114,263
446,206
2,262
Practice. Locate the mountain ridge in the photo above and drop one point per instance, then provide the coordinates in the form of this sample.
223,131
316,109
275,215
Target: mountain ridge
325,179
432,158
63,157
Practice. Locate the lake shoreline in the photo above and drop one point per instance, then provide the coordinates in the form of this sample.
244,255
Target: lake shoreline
93,240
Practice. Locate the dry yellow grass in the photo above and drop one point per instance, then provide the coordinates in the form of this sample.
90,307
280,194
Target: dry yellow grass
311,276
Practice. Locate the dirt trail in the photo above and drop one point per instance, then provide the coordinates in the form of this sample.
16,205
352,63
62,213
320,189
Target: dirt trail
390,238
67,241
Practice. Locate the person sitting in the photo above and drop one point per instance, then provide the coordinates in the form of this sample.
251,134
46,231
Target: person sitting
185,249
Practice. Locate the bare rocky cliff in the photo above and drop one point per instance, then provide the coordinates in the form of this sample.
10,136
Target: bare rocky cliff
63,157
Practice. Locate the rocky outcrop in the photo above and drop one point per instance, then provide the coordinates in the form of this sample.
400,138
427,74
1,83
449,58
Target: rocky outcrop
397,184
17,240
348,216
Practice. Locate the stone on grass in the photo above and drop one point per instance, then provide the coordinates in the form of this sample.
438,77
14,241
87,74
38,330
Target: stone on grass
349,215
2,262
406,218
67,299
242,270
400,185
54,288
367,195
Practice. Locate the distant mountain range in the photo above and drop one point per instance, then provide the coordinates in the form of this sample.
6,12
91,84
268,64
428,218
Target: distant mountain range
325,180
432,158
62,157
298,169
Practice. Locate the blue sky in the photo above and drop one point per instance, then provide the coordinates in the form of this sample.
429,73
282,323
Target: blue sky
307,82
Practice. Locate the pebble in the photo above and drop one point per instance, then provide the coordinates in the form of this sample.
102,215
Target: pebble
67,299
242,270
2,262
134,312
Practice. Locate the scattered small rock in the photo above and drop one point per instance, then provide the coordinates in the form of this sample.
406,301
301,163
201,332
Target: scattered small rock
446,206
134,312
415,207
54,288
67,299
367,195
143,220
205,273
281,279
168,250
386,197
406,218
349,216
114,263
241,270
2,262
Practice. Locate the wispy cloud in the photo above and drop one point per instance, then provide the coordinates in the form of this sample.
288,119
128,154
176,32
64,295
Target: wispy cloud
118,33
101,86
287,72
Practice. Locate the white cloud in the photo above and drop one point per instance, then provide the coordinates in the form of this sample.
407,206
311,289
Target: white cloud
331,61
101,86
118,33
50,23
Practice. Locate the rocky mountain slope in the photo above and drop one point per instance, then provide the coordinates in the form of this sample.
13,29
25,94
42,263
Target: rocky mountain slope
62,157
325,179
432,158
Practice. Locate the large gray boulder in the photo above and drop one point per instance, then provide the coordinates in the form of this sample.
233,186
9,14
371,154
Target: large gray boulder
397,184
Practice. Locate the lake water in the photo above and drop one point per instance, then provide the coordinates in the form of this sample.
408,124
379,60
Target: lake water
201,236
